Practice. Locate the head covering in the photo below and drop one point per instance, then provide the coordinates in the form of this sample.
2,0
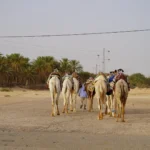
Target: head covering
120,70
111,72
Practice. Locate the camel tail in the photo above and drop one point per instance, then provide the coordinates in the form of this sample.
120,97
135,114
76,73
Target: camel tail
123,93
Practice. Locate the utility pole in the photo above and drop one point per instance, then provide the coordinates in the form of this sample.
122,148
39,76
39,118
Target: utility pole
97,61
96,69
104,59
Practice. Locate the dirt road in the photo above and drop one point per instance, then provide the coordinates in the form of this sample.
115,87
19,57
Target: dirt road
25,123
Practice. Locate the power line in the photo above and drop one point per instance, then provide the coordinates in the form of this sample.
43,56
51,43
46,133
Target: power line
73,34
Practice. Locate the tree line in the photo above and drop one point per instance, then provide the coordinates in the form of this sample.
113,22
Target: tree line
17,70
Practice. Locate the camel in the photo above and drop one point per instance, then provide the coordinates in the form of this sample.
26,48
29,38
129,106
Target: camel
54,88
66,92
100,91
90,90
121,94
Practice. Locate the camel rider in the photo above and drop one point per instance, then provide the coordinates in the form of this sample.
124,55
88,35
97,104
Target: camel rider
111,77
55,72
120,75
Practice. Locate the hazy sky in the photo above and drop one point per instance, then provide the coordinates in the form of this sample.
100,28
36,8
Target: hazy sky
130,51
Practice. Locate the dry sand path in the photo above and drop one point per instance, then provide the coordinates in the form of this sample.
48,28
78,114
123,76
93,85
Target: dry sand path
25,123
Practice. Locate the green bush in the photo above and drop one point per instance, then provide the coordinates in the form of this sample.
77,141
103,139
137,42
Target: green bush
5,90
139,80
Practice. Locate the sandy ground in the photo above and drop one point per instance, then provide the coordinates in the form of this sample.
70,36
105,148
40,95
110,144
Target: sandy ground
25,123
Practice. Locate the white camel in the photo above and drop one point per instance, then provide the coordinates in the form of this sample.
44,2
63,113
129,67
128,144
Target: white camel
121,94
66,92
54,88
100,93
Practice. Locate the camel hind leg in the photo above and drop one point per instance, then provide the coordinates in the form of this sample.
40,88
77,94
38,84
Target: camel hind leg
123,112
90,103
56,95
53,103
103,103
71,102
100,112
64,98
58,113
119,111
74,96
100,115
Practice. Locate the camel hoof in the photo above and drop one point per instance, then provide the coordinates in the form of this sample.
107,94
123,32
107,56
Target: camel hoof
52,115
123,120
58,113
110,115
100,117
71,108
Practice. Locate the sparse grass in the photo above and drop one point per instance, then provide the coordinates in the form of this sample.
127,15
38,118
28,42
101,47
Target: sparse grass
6,90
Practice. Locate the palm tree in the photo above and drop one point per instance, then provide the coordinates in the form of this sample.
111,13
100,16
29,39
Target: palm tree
5,71
17,63
43,66
65,65
29,75
2,69
75,66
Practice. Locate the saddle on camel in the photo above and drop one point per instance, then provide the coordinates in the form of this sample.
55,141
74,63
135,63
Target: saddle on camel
89,85
54,73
